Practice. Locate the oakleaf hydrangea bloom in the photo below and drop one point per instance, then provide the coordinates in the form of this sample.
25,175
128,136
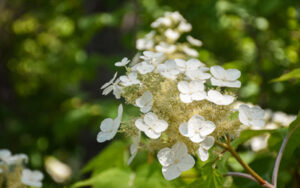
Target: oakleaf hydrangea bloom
109,127
185,105
205,145
175,160
251,116
191,91
151,125
219,99
226,78
145,102
32,178
197,128
123,62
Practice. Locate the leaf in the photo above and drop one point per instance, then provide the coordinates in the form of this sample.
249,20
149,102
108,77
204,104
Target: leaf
111,156
108,179
294,141
294,74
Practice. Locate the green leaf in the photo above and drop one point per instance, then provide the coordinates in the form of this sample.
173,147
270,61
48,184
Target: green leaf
112,178
210,178
111,156
294,74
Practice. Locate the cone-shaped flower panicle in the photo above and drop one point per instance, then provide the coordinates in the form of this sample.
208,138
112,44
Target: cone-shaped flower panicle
109,127
151,125
175,160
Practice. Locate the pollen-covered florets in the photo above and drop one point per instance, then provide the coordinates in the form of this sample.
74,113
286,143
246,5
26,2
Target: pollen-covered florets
184,104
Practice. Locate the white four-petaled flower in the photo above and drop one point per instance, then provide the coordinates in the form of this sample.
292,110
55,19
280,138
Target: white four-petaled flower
145,102
219,99
130,79
251,116
191,64
123,62
153,58
197,128
32,178
191,91
226,78
175,160
169,69
205,145
151,125
109,127
112,85
144,67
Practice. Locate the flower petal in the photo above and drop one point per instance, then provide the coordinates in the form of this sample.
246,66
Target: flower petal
186,163
160,126
218,72
183,129
171,172
107,125
208,142
165,156
203,154
185,98
207,127
141,125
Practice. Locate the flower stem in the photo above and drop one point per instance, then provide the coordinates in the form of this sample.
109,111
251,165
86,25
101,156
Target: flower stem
257,177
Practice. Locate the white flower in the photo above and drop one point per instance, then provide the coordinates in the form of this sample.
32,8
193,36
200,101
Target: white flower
146,43
191,64
109,127
153,58
283,119
134,147
197,128
191,91
251,116
227,78
184,26
129,80
260,142
32,178
175,160
219,99
145,102
171,34
161,21
165,48
6,157
151,125
205,145
123,62
114,86
169,69
176,16
144,67
198,74
193,41
4,154
190,51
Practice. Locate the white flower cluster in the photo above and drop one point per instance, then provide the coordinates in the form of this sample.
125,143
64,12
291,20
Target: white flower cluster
28,177
166,32
184,104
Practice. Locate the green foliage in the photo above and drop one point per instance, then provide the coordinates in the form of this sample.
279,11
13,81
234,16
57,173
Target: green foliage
294,74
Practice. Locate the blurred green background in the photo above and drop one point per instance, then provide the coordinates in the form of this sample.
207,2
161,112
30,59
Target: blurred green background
55,55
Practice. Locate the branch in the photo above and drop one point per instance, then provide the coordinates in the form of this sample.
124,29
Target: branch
240,174
279,157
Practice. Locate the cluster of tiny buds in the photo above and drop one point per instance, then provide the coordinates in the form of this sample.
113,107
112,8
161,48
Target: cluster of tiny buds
164,37
185,106
13,174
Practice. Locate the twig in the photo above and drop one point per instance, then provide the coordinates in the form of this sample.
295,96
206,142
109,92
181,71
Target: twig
240,174
279,157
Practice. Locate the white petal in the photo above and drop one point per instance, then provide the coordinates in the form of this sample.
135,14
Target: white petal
171,172
199,96
218,72
244,111
183,129
152,134
123,62
208,142
150,118
185,98
236,84
107,125
207,128
145,99
183,87
196,85
219,99
186,163
146,109
144,67
107,90
232,74
165,156
258,122
180,150
203,154
197,138
4,153
141,125
193,41
110,82
160,126
104,136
